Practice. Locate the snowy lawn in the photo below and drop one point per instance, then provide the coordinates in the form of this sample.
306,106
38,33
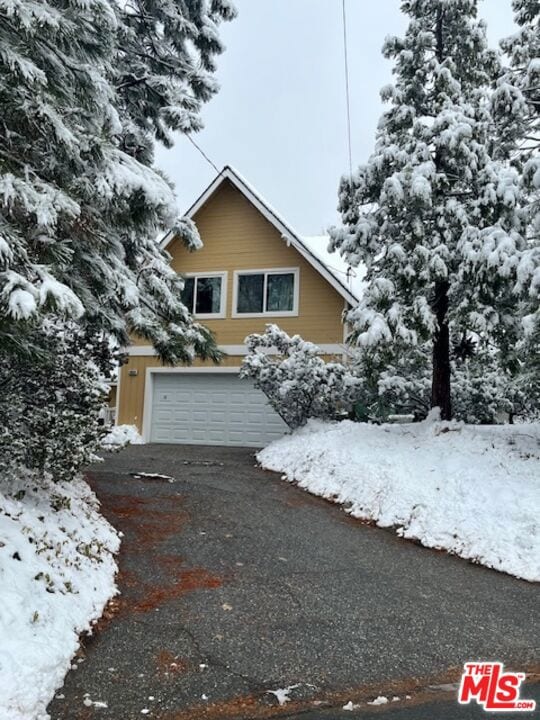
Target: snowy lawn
473,490
56,574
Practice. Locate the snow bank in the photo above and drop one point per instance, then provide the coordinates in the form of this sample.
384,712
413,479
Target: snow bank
56,574
120,436
473,490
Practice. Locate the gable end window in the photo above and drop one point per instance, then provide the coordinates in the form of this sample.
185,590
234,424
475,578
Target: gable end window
204,295
266,292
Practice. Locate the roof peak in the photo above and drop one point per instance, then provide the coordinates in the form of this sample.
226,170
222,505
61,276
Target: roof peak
272,215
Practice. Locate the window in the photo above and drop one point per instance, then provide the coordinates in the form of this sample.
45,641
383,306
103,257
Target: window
267,292
204,295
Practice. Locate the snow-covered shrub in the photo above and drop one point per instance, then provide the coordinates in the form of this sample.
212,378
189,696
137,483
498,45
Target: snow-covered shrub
483,391
50,403
298,383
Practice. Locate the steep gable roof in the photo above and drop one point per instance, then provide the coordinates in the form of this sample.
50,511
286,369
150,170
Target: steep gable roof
287,233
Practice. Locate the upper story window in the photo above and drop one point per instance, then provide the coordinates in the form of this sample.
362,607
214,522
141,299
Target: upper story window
204,295
266,292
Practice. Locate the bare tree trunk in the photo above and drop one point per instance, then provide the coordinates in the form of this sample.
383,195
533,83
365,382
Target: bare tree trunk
440,382
440,385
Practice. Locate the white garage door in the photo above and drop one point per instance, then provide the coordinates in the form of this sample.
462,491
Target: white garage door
211,409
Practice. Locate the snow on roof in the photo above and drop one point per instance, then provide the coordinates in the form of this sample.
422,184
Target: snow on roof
315,258
353,278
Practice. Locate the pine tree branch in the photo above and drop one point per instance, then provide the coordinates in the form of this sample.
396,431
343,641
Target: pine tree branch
130,83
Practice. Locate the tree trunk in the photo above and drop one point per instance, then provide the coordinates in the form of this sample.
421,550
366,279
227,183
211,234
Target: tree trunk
440,385
440,381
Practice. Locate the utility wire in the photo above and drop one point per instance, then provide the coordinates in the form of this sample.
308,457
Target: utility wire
350,272
347,93
205,156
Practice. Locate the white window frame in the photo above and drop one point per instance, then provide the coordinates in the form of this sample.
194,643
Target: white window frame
266,272
223,299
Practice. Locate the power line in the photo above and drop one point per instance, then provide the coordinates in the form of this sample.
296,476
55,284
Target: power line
205,156
347,93
350,272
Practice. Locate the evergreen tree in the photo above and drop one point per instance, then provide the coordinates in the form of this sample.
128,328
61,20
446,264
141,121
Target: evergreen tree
517,97
50,408
516,104
85,88
162,84
436,213
483,387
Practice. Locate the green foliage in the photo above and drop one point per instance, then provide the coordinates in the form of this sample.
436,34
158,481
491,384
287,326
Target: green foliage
49,413
484,389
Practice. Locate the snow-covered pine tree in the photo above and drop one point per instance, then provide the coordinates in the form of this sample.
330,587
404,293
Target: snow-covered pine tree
516,103
166,48
483,388
517,97
434,215
80,205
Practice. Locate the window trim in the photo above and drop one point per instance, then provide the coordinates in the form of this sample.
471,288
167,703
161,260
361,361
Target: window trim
223,299
268,271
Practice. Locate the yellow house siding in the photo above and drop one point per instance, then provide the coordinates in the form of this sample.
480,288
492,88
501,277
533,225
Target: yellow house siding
237,237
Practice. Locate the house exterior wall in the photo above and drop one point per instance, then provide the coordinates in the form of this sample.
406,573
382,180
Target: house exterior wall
237,236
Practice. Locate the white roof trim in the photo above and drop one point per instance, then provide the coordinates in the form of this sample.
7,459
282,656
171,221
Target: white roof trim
274,218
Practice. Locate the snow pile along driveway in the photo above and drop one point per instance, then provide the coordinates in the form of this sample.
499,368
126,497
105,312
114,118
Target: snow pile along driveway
121,435
473,490
56,574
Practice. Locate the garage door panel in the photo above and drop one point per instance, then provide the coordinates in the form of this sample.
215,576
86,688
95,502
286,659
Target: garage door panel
182,397
179,416
217,416
217,398
211,409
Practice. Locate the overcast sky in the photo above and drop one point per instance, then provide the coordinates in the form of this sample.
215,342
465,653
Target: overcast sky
280,119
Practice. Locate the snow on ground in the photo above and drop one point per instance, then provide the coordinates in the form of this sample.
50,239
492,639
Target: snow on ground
120,436
282,694
473,490
56,574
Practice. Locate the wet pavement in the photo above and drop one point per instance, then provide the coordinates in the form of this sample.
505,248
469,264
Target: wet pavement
234,582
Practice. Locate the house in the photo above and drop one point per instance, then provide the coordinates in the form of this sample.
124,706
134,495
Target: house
253,270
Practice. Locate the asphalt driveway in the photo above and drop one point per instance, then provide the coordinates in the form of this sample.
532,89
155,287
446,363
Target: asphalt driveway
234,583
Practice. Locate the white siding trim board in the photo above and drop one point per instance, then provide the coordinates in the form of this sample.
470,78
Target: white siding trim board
237,350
